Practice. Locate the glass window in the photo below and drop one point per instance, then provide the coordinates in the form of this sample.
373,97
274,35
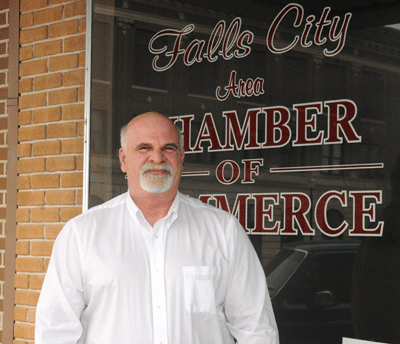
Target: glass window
229,75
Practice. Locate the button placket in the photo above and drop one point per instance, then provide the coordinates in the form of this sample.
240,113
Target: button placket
158,286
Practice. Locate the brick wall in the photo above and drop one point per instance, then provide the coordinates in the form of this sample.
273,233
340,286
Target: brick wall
50,149
3,143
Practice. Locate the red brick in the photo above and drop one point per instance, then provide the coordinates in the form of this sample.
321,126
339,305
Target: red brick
32,101
65,28
74,146
75,9
68,213
3,78
45,214
23,215
81,129
48,48
23,182
20,314
45,181
26,53
3,16
3,48
57,2
4,5
24,150
70,180
75,43
48,114
4,33
31,165
33,67
52,231
47,81
81,93
75,77
82,57
3,123
31,5
28,297
41,248
25,117
74,111
30,231
28,198
32,133
67,129
22,248
33,35
3,93
25,85
63,62
22,281
62,163
26,20
82,25
63,96
60,197
3,62
48,15
36,281
46,148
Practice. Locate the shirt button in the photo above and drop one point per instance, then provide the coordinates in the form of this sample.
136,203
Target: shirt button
156,236
157,269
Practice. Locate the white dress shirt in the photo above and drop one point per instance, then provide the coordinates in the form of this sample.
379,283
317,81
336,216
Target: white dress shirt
193,278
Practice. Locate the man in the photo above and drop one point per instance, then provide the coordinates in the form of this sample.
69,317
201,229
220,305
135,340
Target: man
152,265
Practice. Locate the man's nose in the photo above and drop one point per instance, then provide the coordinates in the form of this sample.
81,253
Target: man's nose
157,156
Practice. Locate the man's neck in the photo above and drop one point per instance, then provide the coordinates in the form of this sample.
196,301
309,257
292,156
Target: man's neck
154,206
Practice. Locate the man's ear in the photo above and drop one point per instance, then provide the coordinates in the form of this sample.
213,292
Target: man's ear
122,157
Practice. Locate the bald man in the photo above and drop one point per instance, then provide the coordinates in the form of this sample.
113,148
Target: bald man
153,265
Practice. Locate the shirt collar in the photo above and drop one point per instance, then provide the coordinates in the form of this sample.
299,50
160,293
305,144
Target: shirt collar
139,218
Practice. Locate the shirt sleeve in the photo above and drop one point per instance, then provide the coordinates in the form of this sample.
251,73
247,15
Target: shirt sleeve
248,306
61,300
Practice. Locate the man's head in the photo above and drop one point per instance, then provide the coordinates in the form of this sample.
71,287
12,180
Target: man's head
151,154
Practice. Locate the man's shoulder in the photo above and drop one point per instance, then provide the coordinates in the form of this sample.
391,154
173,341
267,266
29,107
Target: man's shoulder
106,207
200,206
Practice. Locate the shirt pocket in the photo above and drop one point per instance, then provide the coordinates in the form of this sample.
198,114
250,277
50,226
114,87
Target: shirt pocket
200,284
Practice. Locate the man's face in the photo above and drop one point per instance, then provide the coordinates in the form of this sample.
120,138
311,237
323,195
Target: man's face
152,158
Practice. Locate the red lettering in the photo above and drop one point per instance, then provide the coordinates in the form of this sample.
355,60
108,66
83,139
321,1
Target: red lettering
249,170
360,213
220,172
303,124
176,50
212,46
208,126
195,44
261,213
306,32
341,36
320,25
298,215
320,213
249,126
246,49
228,41
275,24
344,123
280,126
